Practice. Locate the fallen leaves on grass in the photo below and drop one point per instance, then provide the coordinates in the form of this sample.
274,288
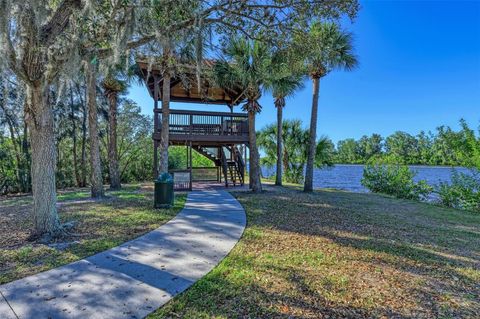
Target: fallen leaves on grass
100,225
333,254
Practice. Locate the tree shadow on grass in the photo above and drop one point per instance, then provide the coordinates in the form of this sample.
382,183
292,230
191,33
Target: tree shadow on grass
369,222
437,247
219,295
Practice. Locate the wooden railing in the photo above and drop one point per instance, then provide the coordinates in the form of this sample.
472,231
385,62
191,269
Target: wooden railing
240,164
202,123
206,174
223,158
182,180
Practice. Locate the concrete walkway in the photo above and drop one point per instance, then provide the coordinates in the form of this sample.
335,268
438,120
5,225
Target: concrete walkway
134,279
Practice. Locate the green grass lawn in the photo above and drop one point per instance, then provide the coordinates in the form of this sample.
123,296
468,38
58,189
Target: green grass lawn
334,254
100,225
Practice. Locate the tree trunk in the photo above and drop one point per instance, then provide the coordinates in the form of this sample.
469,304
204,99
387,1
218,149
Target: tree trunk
42,138
285,162
165,123
112,145
74,139
308,186
83,159
96,179
255,182
83,156
27,180
278,177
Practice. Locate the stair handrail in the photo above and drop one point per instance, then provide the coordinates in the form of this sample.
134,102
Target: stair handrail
239,160
224,166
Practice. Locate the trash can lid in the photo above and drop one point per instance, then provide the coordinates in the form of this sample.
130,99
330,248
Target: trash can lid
165,177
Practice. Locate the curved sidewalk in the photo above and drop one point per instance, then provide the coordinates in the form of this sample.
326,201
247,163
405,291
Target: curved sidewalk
139,276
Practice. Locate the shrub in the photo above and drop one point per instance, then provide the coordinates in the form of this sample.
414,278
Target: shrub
294,174
396,180
463,192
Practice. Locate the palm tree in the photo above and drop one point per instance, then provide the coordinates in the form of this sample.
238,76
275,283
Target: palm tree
113,86
118,76
295,149
284,83
326,48
246,70
96,178
178,55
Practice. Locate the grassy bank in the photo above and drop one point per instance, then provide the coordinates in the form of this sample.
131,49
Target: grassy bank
100,225
335,254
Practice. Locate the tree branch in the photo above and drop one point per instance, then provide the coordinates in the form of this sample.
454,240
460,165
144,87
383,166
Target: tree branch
11,56
59,21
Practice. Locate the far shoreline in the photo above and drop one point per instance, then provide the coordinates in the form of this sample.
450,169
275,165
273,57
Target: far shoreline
409,165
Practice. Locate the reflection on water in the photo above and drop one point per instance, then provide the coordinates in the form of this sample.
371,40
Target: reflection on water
348,177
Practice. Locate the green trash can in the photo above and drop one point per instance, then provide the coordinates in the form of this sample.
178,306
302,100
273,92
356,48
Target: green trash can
163,197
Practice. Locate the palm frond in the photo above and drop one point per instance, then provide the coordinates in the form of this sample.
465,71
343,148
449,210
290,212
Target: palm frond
245,67
327,47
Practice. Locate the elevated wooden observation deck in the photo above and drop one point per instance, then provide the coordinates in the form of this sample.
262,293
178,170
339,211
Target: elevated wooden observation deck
221,137
204,128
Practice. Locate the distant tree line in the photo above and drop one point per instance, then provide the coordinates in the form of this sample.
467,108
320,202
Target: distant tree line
385,173
445,146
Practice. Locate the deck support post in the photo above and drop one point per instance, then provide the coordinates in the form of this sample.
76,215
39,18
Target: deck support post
244,161
191,164
249,175
187,158
155,159
156,91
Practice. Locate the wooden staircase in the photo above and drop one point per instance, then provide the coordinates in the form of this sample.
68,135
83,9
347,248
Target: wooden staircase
232,166
212,153
239,164
230,159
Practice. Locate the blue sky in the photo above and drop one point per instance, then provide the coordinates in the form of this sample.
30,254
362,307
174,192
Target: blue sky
419,68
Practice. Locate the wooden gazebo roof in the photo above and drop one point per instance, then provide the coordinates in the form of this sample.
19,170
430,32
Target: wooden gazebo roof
208,92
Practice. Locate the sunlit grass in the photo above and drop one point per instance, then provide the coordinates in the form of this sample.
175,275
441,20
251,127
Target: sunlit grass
340,254
73,195
101,225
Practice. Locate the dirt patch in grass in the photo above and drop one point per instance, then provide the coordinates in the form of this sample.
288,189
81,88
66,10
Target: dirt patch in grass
100,225
335,254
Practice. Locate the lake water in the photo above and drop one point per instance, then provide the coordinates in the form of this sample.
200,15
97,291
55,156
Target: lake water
348,177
